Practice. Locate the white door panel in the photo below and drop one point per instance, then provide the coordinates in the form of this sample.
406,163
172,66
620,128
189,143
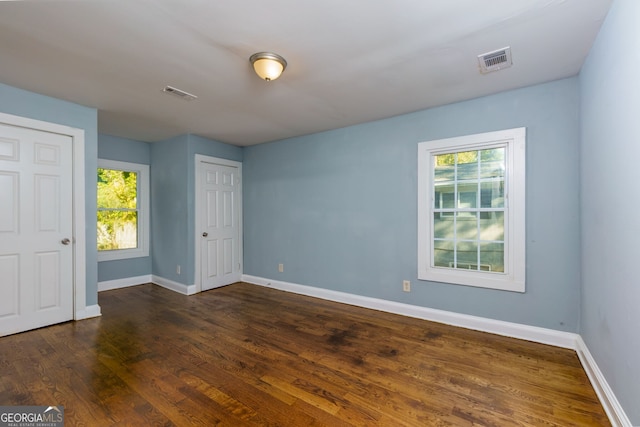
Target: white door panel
211,259
8,201
9,266
219,194
36,216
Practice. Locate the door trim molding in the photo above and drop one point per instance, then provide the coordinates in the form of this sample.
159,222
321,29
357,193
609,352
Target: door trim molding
198,160
79,217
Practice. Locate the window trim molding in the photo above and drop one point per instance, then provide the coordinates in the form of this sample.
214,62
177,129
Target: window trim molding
143,211
515,225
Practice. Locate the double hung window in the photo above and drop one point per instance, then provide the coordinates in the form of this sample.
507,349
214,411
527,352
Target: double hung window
123,210
471,210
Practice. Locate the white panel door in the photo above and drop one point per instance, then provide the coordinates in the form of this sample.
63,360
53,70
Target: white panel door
220,231
36,223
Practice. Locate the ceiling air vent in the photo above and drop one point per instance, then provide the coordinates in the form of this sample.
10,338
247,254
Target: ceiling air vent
179,93
496,60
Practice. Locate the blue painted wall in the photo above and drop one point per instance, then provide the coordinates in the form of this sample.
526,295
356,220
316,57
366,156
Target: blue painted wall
610,88
170,214
124,150
32,105
172,202
339,208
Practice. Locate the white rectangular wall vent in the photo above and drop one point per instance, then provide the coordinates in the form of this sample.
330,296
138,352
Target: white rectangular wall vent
179,93
495,60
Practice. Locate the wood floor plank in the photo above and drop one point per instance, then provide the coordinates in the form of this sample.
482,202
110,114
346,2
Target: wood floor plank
245,355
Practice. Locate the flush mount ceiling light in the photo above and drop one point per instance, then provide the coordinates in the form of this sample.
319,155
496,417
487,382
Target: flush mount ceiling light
268,65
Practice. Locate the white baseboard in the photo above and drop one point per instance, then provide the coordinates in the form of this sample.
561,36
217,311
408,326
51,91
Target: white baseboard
181,288
89,312
515,330
610,403
124,283
149,278
562,339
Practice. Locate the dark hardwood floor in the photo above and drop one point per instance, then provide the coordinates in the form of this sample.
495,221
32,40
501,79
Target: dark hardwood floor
247,355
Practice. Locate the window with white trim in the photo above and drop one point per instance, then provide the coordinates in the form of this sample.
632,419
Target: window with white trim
471,210
123,210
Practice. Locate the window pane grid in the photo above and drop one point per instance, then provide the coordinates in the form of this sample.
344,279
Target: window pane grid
468,210
118,209
460,210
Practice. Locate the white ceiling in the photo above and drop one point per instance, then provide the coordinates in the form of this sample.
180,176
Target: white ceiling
350,61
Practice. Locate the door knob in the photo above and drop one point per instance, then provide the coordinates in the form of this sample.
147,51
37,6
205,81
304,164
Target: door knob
65,241
205,234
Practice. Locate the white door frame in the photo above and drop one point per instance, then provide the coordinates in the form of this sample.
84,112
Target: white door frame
79,238
199,158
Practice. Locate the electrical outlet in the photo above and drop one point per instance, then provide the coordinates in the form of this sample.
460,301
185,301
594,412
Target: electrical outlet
406,285
281,268
178,269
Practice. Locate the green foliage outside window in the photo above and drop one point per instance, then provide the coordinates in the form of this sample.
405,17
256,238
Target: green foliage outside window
117,209
465,157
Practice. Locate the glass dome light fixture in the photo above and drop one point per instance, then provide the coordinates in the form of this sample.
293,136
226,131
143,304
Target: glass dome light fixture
267,65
